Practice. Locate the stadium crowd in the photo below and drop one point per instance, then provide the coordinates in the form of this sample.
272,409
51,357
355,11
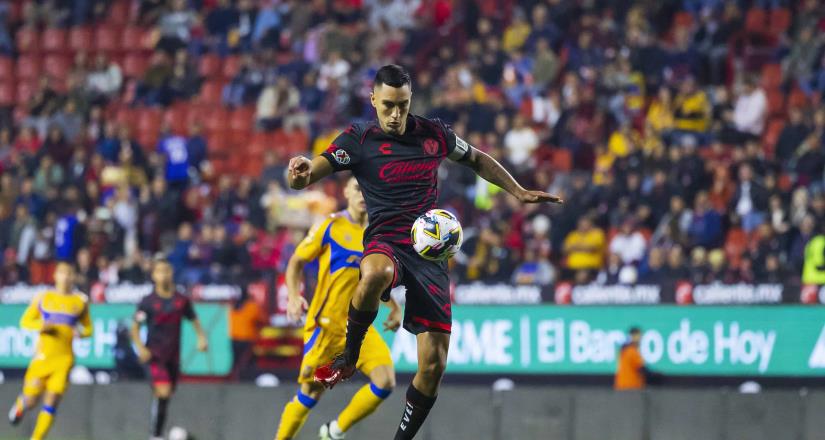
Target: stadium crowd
687,137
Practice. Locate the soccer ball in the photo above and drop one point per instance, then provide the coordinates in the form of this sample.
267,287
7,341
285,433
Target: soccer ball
436,235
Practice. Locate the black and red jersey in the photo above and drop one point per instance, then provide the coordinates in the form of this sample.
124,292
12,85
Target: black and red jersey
163,318
398,174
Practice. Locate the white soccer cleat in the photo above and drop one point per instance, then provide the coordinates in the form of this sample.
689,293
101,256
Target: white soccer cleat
325,433
16,413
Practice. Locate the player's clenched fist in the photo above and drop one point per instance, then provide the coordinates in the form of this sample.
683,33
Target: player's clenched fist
299,172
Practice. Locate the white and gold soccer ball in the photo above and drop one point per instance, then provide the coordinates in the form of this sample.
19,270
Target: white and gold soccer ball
436,235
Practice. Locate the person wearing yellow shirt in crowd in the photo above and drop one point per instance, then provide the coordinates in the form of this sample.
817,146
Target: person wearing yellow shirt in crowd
692,108
659,120
619,143
517,32
585,247
59,316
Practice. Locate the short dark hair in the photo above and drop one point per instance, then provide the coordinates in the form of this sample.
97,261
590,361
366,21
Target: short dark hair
392,75
634,330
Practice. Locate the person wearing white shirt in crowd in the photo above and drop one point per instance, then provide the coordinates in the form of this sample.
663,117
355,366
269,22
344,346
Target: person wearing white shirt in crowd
520,142
629,244
751,109
106,78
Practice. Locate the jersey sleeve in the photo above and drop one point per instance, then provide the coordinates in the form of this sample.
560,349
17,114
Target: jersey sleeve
85,322
457,149
311,246
189,310
345,151
32,319
143,311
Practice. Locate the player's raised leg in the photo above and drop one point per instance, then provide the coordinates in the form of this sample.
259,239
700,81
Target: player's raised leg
297,410
422,392
378,271
46,417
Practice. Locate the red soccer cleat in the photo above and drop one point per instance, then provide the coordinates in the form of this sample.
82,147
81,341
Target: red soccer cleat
335,371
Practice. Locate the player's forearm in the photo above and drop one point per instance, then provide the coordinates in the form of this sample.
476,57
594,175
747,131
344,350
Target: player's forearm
318,169
490,170
293,276
135,334
31,320
196,324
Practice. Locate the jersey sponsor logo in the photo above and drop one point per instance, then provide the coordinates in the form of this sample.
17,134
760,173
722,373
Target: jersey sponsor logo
341,156
430,146
385,148
405,171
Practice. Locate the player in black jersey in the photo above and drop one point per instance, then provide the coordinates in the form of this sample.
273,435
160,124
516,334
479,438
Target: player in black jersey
163,312
395,160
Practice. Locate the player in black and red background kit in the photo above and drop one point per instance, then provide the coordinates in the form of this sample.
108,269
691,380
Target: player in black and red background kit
395,160
163,312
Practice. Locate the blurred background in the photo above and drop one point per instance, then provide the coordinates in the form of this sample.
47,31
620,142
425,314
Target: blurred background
687,138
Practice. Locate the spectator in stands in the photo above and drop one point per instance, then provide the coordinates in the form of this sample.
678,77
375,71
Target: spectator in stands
773,271
184,82
246,85
616,272
153,87
219,22
42,105
692,110
793,134
751,110
56,146
750,201
799,63
706,224
173,149
629,244
48,175
175,26
179,256
699,266
489,257
534,270
277,104
659,120
105,79
521,141
584,247
653,271
676,269
810,160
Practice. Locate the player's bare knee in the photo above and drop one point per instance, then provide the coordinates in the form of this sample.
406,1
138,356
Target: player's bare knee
377,277
383,377
432,370
312,389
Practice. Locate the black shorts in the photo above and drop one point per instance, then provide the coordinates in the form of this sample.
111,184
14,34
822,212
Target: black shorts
427,307
164,372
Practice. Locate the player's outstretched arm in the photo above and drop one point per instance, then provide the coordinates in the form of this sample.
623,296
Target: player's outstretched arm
303,172
492,171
